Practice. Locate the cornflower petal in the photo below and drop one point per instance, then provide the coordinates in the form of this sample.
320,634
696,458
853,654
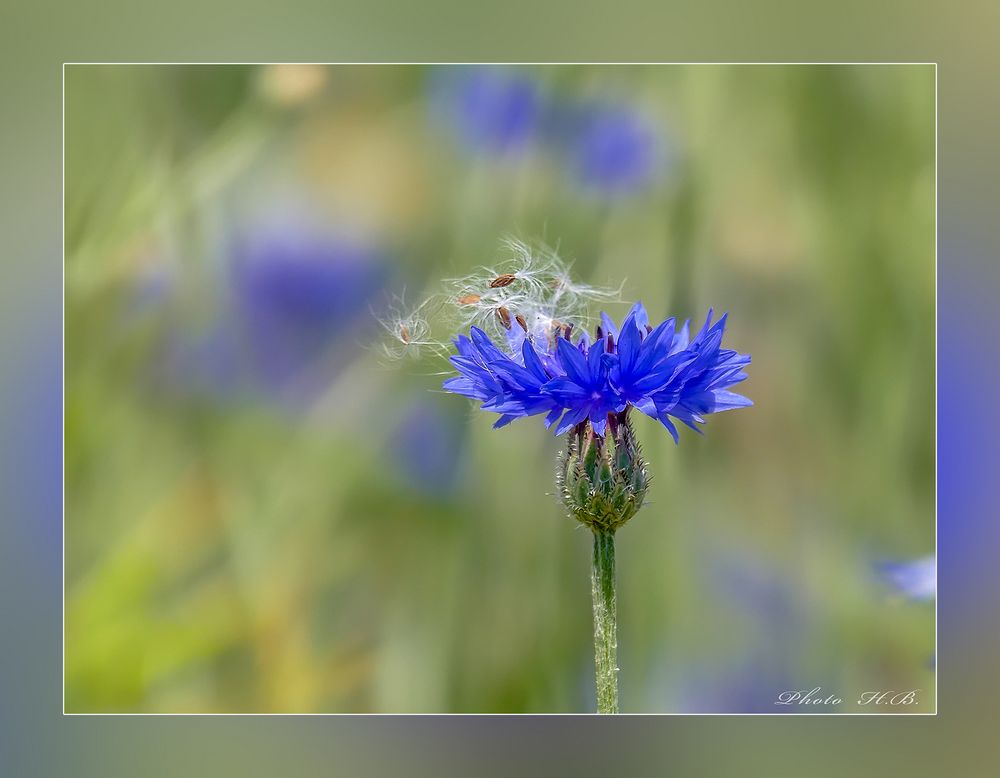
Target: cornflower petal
663,372
639,315
532,361
608,326
573,362
628,346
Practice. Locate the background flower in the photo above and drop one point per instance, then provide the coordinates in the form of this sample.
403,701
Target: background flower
613,149
300,297
292,305
915,579
490,109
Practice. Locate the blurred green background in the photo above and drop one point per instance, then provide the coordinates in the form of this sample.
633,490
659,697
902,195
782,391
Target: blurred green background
263,515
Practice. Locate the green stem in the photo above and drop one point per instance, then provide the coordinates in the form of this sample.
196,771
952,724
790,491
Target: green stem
602,580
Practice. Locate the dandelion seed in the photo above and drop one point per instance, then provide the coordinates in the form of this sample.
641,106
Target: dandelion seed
533,282
408,331
505,279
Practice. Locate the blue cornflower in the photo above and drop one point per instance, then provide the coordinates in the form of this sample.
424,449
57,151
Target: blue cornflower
700,385
283,321
498,381
647,361
427,448
491,109
298,294
659,371
585,389
614,149
916,579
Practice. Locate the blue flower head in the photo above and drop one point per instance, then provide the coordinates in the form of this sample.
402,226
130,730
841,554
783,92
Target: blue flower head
284,319
614,149
490,109
660,371
529,352
915,579
297,296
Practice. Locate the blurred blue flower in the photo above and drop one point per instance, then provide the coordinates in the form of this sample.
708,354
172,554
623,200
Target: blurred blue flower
915,579
658,371
148,290
609,146
613,148
427,449
296,295
208,362
292,301
491,109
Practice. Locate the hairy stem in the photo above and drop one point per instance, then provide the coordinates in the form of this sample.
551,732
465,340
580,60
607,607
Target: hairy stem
605,622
